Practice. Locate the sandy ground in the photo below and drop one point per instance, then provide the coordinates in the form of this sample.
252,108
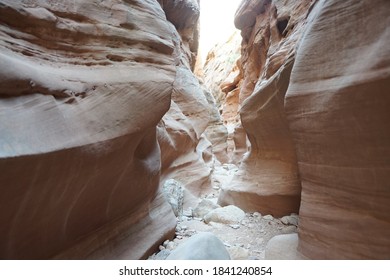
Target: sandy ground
246,240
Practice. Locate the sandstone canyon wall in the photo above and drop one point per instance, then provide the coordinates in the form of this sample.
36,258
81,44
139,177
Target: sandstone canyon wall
313,101
337,107
99,106
83,87
220,73
187,153
267,180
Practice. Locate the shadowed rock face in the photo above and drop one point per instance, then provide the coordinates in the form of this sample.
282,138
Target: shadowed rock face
338,111
77,154
267,180
184,15
186,152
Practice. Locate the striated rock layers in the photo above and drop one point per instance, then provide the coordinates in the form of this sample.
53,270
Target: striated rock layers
221,75
337,106
186,152
83,86
267,180
184,15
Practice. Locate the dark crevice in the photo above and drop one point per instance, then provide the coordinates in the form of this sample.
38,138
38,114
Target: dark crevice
282,24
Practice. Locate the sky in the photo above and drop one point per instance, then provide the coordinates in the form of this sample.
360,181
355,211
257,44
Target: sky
216,22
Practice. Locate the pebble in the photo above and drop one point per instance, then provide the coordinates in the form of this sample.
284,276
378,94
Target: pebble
234,226
268,217
187,213
289,229
171,246
257,215
238,253
161,247
189,233
166,242
184,227
290,220
227,244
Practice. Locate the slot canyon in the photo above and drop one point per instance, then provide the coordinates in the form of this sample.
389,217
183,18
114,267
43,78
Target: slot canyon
119,139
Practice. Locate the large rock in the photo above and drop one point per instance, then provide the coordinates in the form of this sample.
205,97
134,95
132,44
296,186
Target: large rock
202,246
225,215
83,86
204,207
267,180
338,110
238,253
174,193
283,247
290,220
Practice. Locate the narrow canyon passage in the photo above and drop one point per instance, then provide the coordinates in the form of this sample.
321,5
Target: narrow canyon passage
245,236
123,135
221,79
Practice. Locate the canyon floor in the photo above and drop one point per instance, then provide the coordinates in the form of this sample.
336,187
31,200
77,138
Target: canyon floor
245,240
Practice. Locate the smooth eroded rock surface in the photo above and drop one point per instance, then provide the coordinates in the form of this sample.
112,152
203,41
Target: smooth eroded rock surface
267,180
186,152
338,111
174,194
204,207
283,247
226,215
202,246
77,153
